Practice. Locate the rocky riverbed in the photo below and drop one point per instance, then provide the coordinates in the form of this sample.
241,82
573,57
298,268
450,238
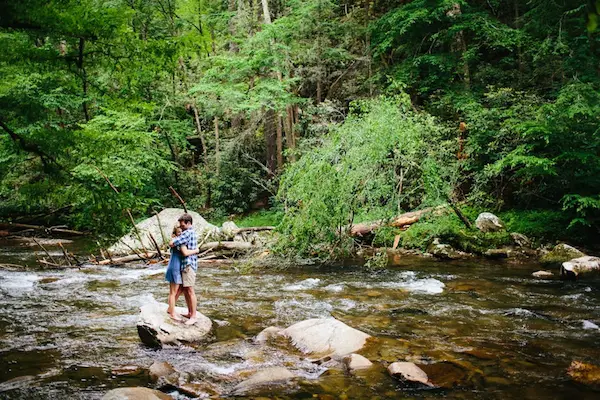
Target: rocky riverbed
471,326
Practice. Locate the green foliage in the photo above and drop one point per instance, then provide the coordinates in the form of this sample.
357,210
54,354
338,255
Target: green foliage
542,225
523,150
260,218
134,89
385,158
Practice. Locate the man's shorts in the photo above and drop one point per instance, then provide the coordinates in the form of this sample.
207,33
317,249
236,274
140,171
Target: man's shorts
188,276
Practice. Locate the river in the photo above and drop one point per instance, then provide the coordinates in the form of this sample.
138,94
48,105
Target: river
492,328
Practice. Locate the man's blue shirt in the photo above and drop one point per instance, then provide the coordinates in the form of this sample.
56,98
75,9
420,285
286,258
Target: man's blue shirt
188,238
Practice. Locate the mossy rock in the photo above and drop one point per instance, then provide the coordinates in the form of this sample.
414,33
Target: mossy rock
560,253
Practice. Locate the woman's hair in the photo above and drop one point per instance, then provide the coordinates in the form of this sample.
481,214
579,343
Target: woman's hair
176,230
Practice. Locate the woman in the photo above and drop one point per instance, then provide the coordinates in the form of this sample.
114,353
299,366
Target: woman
173,274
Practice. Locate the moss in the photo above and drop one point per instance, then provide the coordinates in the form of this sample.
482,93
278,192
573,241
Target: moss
449,229
561,253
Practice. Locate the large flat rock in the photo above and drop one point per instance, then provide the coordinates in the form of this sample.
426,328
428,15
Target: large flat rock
579,266
161,231
266,379
325,336
156,328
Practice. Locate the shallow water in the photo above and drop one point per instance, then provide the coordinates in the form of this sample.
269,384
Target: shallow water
482,329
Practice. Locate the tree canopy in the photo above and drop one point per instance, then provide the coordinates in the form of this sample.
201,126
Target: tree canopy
320,106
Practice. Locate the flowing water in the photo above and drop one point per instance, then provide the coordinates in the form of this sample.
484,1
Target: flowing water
480,329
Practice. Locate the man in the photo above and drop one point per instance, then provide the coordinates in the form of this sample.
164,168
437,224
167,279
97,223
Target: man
189,266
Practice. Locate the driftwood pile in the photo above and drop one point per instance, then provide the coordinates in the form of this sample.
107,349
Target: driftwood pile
221,251
13,229
32,233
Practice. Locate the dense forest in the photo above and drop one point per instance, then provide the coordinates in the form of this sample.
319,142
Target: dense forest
327,112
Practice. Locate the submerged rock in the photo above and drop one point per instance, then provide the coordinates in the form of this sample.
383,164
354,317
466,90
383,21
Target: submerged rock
488,222
265,379
268,334
409,373
325,336
125,370
448,374
560,253
588,374
161,231
200,390
135,393
163,370
355,362
579,266
156,328
542,274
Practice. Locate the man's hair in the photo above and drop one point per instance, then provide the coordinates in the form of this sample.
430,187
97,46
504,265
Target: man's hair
187,218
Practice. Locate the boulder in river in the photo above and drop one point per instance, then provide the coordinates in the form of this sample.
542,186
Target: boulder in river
160,227
560,253
325,336
579,266
409,373
266,379
163,370
488,222
135,393
355,362
156,328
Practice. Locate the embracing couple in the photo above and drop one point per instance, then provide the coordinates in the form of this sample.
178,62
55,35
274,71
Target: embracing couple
181,272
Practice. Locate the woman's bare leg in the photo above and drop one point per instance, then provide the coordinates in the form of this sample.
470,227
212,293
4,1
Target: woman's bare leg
174,288
180,291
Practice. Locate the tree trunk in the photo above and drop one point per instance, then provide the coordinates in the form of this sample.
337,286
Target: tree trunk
217,154
271,141
279,143
199,131
241,246
288,127
400,221
266,14
205,155
461,44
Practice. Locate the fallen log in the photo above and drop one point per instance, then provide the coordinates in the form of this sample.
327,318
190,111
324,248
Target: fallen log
132,257
253,229
238,246
218,261
400,221
10,267
52,229
49,264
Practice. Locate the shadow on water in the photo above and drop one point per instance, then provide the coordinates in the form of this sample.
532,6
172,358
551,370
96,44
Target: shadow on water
479,329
